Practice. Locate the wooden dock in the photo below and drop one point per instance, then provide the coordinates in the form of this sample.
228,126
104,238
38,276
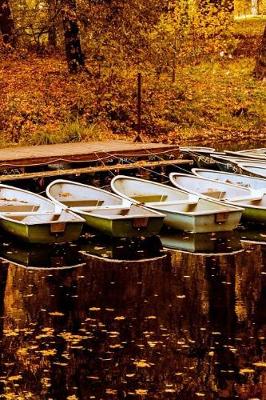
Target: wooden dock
80,152
31,162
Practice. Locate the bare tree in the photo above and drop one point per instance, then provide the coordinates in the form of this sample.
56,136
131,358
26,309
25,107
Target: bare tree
260,68
74,54
6,23
53,8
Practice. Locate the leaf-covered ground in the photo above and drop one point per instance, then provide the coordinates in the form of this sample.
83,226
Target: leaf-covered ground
41,103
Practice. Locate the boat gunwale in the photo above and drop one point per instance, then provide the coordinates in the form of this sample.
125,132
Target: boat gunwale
77,219
245,155
194,170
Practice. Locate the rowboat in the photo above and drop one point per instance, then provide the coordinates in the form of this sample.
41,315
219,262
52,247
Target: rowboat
246,181
182,211
258,169
202,243
226,163
35,219
259,151
196,149
200,155
105,211
252,201
247,154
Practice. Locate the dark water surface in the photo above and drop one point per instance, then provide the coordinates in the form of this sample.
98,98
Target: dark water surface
165,325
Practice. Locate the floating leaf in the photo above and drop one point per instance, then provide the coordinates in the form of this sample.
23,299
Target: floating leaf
142,364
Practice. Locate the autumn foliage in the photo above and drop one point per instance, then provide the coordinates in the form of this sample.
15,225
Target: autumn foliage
196,63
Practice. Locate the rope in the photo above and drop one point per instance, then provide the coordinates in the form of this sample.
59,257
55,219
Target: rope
100,159
176,166
146,169
66,160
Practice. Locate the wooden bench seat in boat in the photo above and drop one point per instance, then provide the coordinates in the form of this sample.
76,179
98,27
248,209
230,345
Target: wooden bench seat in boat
78,203
147,198
216,194
17,207
174,202
92,208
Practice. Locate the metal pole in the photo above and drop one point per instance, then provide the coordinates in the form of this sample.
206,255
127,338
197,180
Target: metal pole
139,105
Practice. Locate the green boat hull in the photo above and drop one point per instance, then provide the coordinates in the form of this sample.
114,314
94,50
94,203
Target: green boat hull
123,227
254,214
201,223
42,233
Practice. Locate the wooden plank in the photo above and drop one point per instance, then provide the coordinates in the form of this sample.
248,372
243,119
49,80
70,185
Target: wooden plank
89,170
87,151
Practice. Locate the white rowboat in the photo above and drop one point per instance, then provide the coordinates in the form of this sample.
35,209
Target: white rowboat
253,202
105,211
182,211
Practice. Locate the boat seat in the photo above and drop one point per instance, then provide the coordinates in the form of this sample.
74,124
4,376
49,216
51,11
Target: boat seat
13,207
82,203
174,202
92,208
25,213
217,194
147,198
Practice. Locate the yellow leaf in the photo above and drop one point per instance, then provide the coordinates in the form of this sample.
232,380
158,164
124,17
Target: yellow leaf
14,378
142,364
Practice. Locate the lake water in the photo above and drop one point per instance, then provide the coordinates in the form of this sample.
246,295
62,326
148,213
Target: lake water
80,322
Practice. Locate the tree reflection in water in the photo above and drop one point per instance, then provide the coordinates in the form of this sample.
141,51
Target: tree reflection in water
181,327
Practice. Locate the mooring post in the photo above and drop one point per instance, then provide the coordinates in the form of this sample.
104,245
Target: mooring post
138,138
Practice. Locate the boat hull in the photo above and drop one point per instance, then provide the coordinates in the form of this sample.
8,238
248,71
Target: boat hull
201,223
42,233
124,227
252,214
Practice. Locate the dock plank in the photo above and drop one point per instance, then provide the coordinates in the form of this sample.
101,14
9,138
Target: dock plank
87,151
88,170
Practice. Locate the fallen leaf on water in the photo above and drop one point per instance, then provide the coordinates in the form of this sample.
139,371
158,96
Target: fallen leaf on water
246,371
56,314
141,392
47,353
260,364
111,391
142,364
14,378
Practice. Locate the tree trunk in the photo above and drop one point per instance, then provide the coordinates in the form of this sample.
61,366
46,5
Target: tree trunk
254,7
74,55
260,68
6,23
52,33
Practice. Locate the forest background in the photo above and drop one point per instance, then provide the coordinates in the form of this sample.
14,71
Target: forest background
68,70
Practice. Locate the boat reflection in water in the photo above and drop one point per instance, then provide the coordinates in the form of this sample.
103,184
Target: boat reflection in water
121,249
42,256
202,243
253,234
